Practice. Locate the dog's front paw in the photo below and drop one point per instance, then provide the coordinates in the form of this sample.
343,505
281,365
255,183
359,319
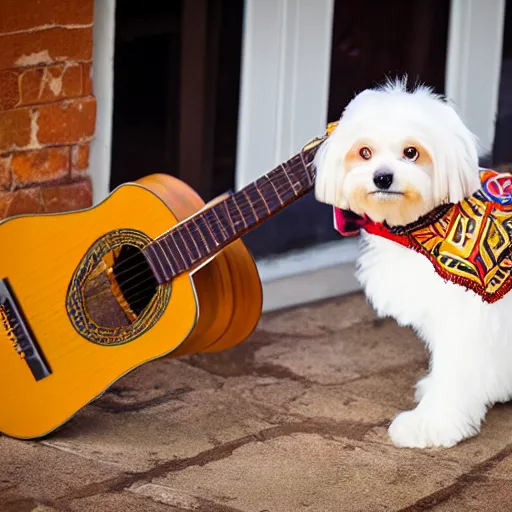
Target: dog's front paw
416,429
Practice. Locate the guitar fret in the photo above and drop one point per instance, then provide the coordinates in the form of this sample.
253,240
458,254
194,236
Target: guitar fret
227,221
186,254
244,209
218,222
309,177
268,191
165,256
287,194
228,215
264,200
178,251
156,263
210,232
187,233
251,205
232,214
289,180
275,190
171,236
175,264
203,239
242,218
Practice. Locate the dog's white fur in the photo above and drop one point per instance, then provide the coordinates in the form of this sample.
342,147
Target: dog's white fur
470,342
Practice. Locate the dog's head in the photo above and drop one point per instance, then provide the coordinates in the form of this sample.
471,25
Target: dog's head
397,154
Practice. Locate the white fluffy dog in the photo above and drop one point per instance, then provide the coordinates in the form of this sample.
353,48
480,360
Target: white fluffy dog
394,156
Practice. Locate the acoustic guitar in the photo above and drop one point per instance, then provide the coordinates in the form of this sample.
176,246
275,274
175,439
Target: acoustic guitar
87,296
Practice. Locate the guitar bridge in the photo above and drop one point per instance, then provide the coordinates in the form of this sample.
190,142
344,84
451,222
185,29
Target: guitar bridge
18,332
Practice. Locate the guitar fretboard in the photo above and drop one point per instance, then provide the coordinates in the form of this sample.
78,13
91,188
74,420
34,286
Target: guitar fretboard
198,238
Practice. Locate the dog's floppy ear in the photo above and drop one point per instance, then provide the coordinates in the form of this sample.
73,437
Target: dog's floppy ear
325,168
464,179
329,163
456,161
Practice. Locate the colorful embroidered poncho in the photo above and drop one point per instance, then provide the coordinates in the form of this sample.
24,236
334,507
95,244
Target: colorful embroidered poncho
468,243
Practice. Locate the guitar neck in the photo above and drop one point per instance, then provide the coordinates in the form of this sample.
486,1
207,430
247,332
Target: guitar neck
201,236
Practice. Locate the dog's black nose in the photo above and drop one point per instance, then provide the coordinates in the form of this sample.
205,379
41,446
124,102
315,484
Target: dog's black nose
383,179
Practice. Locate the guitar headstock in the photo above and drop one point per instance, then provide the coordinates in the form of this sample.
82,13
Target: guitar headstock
319,140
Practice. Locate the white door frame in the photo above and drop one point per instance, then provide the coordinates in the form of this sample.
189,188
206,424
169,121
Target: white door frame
103,90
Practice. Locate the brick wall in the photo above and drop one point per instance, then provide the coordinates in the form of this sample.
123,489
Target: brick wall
47,111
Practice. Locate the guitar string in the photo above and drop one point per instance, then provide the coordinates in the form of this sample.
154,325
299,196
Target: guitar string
147,268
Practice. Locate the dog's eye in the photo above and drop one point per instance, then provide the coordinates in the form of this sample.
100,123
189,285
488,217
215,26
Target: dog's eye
365,153
411,153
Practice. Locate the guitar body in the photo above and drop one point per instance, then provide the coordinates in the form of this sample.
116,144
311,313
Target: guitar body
73,327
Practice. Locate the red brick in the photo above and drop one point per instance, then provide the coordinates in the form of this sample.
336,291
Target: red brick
15,126
9,89
80,158
72,82
67,122
5,172
40,165
87,79
65,198
30,85
5,201
45,47
19,202
42,85
26,14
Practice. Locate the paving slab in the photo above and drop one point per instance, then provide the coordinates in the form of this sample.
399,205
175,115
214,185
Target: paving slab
32,474
351,353
120,501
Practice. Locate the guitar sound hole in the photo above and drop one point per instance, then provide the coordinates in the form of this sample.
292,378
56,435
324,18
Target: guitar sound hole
119,289
135,278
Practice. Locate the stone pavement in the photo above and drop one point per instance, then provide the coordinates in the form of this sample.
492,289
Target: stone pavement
293,420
